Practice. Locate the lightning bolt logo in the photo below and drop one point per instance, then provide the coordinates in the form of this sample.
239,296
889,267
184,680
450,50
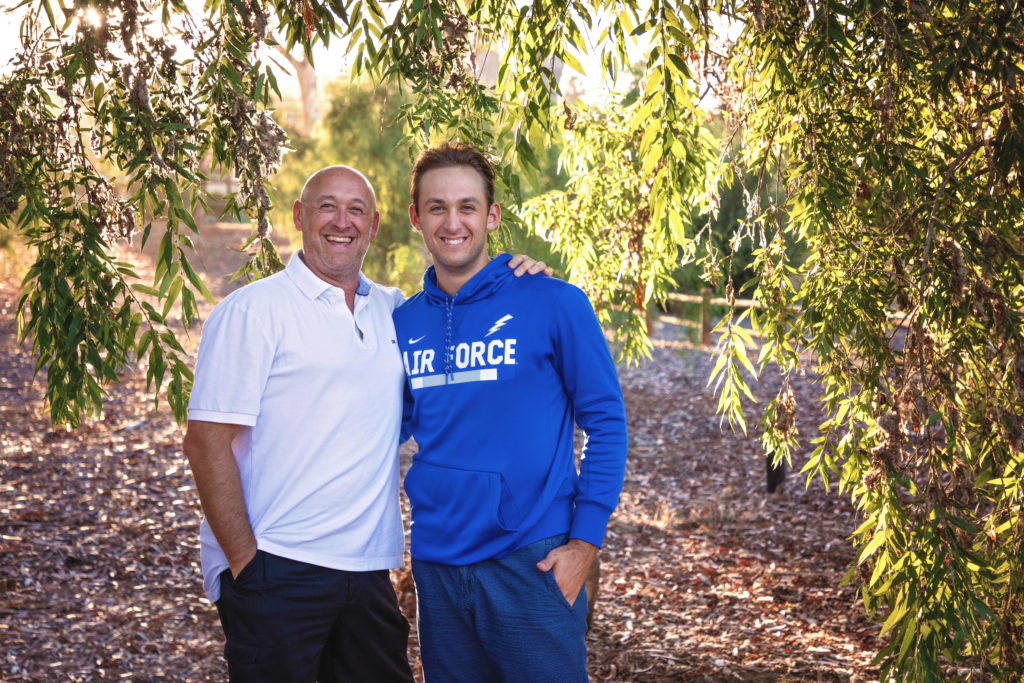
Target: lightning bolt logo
498,324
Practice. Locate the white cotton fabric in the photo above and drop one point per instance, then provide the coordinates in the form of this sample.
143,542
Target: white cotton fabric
319,390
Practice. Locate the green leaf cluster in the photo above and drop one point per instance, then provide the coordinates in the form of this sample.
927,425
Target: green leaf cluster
106,128
896,130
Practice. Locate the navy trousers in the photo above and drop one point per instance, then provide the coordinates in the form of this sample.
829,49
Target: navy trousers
291,621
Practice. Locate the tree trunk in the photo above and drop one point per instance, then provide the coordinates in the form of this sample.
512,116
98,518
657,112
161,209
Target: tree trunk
306,76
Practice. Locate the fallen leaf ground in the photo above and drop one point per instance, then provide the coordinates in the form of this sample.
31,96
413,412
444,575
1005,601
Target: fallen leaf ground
705,576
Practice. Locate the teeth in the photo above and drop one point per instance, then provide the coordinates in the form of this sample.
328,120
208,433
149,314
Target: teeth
454,240
338,240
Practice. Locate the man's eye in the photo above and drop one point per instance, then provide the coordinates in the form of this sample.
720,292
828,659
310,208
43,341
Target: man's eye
356,210
326,206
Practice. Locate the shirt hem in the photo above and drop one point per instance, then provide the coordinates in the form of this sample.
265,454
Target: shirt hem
222,418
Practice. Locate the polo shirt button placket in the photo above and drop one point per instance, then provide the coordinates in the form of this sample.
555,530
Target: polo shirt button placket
335,298
362,311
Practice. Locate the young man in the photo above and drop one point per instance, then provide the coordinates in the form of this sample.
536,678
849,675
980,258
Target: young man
498,369
293,442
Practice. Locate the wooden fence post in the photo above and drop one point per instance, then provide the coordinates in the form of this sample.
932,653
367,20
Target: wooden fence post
705,317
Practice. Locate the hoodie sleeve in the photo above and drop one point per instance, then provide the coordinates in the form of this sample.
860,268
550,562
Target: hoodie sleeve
405,433
585,364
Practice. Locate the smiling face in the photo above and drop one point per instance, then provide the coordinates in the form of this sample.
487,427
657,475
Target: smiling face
337,216
453,214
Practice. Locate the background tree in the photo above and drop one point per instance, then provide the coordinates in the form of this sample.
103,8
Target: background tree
87,86
894,129
897,129
305,74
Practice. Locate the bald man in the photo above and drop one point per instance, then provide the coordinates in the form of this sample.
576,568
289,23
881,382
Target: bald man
292,438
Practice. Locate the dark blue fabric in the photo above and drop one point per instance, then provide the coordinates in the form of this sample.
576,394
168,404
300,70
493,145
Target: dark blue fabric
291,621
499,620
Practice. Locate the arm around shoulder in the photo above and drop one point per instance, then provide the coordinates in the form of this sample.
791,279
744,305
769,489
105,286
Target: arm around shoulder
521,264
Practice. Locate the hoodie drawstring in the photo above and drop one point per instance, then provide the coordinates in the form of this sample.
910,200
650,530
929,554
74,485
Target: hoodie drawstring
448,351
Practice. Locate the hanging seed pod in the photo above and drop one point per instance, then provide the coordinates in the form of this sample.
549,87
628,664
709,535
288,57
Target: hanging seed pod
785,412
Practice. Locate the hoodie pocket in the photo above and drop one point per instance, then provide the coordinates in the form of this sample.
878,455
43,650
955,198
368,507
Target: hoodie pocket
457,509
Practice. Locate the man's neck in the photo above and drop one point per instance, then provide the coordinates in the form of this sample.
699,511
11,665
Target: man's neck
349,284
450,282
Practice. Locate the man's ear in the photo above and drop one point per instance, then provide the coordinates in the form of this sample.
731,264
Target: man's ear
376,225
297,215
414,217
493,217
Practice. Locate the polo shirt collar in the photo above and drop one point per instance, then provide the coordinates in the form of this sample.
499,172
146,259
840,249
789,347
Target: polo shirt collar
310,284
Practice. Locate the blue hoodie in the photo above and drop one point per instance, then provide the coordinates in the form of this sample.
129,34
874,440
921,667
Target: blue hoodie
496,377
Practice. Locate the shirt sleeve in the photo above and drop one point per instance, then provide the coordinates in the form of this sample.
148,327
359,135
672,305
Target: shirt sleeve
235,356
585,364
397,298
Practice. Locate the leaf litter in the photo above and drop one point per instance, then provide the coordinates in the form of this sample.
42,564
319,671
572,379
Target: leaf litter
704,575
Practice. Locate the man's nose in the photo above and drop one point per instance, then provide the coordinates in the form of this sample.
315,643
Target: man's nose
342,217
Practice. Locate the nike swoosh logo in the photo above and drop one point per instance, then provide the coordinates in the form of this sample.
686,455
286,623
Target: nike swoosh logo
413,341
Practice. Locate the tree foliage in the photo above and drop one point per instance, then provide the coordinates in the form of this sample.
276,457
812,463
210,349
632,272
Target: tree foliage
117,91
899,132
895,131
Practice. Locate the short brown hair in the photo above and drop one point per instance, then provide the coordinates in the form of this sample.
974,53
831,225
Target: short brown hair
450,154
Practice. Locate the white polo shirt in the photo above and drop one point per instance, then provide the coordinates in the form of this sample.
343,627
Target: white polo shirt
319,390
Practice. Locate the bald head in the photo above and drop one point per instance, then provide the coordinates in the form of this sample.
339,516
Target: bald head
316,182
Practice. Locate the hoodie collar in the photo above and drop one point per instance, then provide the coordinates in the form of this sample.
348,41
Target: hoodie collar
492,277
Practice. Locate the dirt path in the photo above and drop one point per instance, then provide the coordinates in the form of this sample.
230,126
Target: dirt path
705,576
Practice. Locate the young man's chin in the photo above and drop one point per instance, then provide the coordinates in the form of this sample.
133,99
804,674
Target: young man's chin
456,264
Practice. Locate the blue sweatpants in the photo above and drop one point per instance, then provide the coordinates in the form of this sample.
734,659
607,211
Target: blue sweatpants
500,620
